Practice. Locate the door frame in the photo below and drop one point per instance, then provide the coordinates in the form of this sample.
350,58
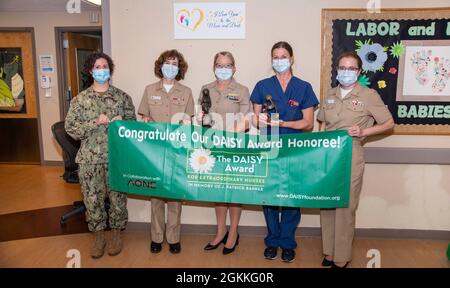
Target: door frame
36,88
61,67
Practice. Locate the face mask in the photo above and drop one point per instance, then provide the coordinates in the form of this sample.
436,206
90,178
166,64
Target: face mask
281,65
101,76
347,78
169,71
224,73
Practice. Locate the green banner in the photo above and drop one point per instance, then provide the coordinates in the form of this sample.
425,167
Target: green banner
192,163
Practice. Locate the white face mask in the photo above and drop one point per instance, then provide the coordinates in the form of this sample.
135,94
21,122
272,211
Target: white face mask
224,73
281,65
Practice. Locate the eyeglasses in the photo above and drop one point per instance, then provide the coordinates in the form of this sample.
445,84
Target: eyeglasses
221,66
353,69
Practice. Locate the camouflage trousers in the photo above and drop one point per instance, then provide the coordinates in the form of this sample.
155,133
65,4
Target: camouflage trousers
95,188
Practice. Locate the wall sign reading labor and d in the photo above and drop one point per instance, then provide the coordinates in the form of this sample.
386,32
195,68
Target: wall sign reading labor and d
192,163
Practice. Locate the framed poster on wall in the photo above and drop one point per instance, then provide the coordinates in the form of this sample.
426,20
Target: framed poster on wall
406,58
17,75
424,71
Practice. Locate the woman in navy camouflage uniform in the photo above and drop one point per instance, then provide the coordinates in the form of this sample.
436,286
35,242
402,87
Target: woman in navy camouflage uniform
88,118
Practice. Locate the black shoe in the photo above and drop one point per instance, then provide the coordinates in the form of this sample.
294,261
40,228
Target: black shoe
288,255
326,262
175,248
210,247
227,251
339,267
270,253
155,247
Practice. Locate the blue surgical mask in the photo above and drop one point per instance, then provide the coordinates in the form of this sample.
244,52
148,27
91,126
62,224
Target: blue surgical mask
224,73
281,65
169,71
101,76
347,78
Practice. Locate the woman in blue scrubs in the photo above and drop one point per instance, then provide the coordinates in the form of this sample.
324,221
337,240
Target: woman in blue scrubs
295,102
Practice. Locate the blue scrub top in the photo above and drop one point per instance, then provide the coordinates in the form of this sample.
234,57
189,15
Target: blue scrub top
299,95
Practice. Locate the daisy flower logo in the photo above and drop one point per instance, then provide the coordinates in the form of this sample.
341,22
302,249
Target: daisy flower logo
201,161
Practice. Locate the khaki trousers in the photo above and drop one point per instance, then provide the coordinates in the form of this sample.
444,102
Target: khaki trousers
338,225
158,224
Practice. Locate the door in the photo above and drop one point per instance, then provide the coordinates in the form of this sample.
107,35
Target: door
77,47
19,122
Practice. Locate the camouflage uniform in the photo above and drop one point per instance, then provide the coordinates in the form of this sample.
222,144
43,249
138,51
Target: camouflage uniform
93,153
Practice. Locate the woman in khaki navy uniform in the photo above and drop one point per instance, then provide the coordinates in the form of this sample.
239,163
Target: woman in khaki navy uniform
171,102
228,98
355,108
88,118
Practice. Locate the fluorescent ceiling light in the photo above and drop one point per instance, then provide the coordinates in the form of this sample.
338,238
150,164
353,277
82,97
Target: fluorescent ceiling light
96,2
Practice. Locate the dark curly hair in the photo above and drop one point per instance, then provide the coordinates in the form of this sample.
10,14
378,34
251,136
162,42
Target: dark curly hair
171,54
90,62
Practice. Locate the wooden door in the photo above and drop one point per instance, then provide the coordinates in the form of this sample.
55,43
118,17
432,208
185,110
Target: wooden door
79,46
19,125
21,43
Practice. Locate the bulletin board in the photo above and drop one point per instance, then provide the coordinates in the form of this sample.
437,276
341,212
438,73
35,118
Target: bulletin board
406,59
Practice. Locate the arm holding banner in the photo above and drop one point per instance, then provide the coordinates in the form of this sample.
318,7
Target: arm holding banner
356,131
75,126
144,110
190,111
128,110
243,123
307,123
380,113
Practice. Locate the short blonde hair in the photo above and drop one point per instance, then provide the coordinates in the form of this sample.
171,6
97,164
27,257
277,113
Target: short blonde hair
226,54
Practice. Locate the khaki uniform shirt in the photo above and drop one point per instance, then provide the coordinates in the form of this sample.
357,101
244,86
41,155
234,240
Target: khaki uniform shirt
165,107
361,107
80,121
234,99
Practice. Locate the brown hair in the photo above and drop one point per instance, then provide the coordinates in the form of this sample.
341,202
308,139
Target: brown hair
171,54
282,44
226,54
350,54
90,63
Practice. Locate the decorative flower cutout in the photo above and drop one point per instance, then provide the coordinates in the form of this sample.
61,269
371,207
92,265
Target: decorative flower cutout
373,57
364,80
393,71
397,49
382,84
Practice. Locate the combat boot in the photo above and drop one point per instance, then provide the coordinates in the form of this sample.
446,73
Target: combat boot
115,247
98,247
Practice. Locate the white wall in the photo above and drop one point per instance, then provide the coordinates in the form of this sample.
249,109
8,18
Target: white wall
393,196
44,31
